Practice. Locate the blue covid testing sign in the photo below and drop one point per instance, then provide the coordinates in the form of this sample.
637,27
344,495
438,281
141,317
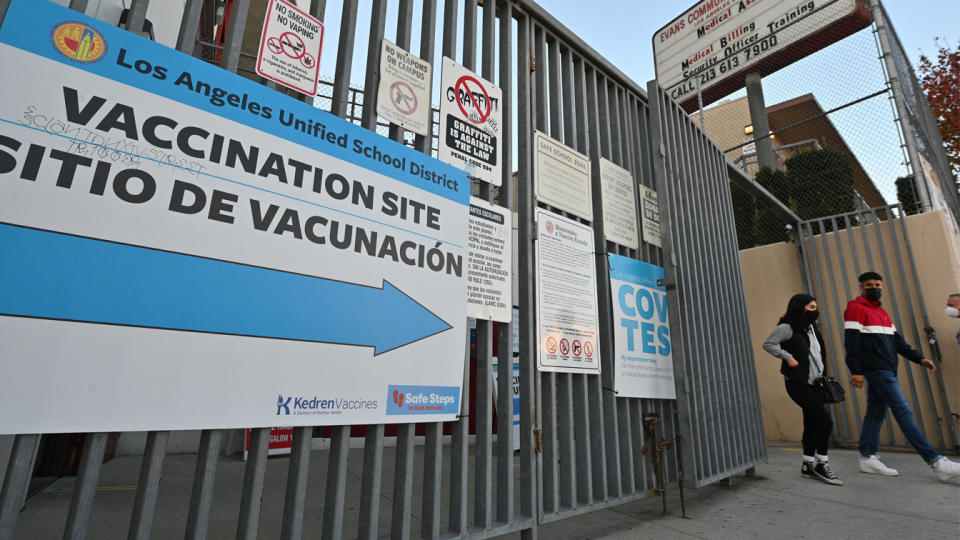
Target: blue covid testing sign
641,328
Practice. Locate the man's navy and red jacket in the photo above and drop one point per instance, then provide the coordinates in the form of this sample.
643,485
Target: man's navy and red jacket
871,340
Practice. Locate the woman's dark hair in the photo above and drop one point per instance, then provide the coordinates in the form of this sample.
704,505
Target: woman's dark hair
795,309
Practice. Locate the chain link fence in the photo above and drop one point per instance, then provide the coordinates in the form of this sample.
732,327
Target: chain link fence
838,141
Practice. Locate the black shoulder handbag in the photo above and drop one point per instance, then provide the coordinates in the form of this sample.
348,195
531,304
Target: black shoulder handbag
828,389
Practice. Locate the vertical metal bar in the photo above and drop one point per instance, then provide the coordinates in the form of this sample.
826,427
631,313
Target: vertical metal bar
894,306
450,11
831,278
336,483
403,484
79,5
81,505
566,470
597,98
4,6
541,110
341,81
555,95
291,527
894,303
923,309
432,480
371,81
234,41
482,509
203,479
15,482
317,9
459,452
837,352
148,487
891,439
852,239
525,206
136,15
370,483
404,26
189,26
663,180
428,39
505,338
252,492
488,44
908,300
459,444
596,389
470,34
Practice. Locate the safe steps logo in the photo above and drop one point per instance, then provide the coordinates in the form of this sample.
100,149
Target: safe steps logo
415,399
78,42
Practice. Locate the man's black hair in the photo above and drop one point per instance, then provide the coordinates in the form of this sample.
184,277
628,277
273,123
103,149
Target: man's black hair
869,275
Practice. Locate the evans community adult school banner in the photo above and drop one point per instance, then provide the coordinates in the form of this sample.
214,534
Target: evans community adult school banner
183,248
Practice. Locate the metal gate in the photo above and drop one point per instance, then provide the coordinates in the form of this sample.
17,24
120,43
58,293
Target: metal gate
717,395
582,448
836,250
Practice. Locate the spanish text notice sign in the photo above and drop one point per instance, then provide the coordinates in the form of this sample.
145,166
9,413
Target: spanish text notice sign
186,249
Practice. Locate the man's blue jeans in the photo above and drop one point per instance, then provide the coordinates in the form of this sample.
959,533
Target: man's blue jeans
883,391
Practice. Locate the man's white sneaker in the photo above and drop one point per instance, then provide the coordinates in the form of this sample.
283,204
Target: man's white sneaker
947,471
873,465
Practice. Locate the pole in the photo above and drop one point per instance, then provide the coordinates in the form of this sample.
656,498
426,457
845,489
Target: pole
758,117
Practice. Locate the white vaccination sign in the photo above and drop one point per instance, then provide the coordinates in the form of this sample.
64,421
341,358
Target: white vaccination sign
215,255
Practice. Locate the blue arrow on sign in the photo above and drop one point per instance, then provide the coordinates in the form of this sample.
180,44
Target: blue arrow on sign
59,276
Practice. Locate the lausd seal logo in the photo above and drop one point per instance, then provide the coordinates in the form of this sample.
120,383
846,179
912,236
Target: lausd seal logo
78,42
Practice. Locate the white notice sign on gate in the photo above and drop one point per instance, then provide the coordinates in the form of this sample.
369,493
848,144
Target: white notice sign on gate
471,123
562,176
567,327
619,204
650,210
403,96
489,283
290,46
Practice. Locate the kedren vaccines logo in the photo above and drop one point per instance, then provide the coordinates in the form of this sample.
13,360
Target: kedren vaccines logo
407,399
315,405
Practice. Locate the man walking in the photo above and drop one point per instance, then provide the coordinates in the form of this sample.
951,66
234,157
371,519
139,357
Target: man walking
872,343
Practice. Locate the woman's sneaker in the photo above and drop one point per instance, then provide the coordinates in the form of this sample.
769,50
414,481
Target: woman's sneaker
824,473
873,465
806,470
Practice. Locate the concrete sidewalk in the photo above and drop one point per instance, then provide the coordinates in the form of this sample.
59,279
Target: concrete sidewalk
776,503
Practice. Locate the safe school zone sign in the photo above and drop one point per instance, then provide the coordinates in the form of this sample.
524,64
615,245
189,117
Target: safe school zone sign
186,249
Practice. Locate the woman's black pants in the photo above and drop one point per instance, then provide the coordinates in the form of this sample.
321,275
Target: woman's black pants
817,423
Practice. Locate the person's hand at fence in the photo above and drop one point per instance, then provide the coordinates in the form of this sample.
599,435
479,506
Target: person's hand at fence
856,381
927,363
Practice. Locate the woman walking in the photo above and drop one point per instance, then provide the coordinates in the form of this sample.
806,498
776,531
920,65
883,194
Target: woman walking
797,342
